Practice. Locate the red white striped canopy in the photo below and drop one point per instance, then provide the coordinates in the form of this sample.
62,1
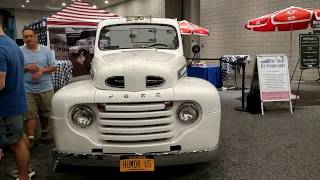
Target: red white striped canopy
78,14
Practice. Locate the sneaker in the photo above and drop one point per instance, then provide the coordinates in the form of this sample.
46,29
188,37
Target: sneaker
15,172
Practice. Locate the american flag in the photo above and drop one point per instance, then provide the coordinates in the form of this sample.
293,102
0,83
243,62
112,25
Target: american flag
40,26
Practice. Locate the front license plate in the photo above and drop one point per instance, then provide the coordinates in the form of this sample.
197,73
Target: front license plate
136,163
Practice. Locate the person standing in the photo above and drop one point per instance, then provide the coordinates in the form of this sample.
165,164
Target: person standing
13,101
38,66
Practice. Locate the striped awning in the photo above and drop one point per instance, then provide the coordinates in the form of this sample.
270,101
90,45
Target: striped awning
78,14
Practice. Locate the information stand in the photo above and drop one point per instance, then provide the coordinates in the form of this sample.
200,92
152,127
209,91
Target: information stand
274,79
309,56
309,51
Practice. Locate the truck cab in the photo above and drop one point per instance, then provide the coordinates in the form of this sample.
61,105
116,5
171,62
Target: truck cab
139,110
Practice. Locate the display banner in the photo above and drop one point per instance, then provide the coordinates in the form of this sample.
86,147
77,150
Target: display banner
273,78
309,50
76,45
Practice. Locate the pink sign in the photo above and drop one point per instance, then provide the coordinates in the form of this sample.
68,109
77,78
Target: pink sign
275,95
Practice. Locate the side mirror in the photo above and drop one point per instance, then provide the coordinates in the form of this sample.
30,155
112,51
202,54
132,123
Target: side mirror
195,49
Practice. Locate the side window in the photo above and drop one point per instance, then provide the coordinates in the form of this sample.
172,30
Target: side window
104,39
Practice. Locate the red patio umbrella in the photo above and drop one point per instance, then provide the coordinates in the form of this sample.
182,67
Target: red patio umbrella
292,18
188,28
289,19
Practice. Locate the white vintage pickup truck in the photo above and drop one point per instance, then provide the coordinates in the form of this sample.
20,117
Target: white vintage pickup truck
139,110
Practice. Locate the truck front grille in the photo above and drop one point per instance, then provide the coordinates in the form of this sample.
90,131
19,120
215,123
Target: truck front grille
135,122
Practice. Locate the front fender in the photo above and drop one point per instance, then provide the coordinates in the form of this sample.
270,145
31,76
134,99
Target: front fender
75,93
200,91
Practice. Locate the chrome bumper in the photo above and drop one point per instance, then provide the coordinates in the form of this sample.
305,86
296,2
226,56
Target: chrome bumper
113,160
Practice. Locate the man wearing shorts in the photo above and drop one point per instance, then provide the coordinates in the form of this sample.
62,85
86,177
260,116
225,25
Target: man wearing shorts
13,101
38,66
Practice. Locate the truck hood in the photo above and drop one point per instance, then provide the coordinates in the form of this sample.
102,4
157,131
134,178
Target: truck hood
136,70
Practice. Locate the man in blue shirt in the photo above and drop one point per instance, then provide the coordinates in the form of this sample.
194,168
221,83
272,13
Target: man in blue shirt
39,64
13,102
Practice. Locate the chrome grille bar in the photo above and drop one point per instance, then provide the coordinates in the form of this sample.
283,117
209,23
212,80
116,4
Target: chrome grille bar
135,122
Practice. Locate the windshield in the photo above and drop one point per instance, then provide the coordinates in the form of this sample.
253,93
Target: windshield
133,36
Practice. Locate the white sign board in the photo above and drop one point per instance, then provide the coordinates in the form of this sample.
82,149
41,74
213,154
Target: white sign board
274,78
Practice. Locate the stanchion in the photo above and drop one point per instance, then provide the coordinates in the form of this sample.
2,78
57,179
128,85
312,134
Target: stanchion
242,108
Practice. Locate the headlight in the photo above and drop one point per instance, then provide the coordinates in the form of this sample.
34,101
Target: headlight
188,113
82,116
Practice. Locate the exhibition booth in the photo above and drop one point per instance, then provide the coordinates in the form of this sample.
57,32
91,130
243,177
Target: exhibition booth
70,33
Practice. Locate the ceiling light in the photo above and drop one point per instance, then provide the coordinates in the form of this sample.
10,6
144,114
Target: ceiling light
27,1
22,5
63,4
106,2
